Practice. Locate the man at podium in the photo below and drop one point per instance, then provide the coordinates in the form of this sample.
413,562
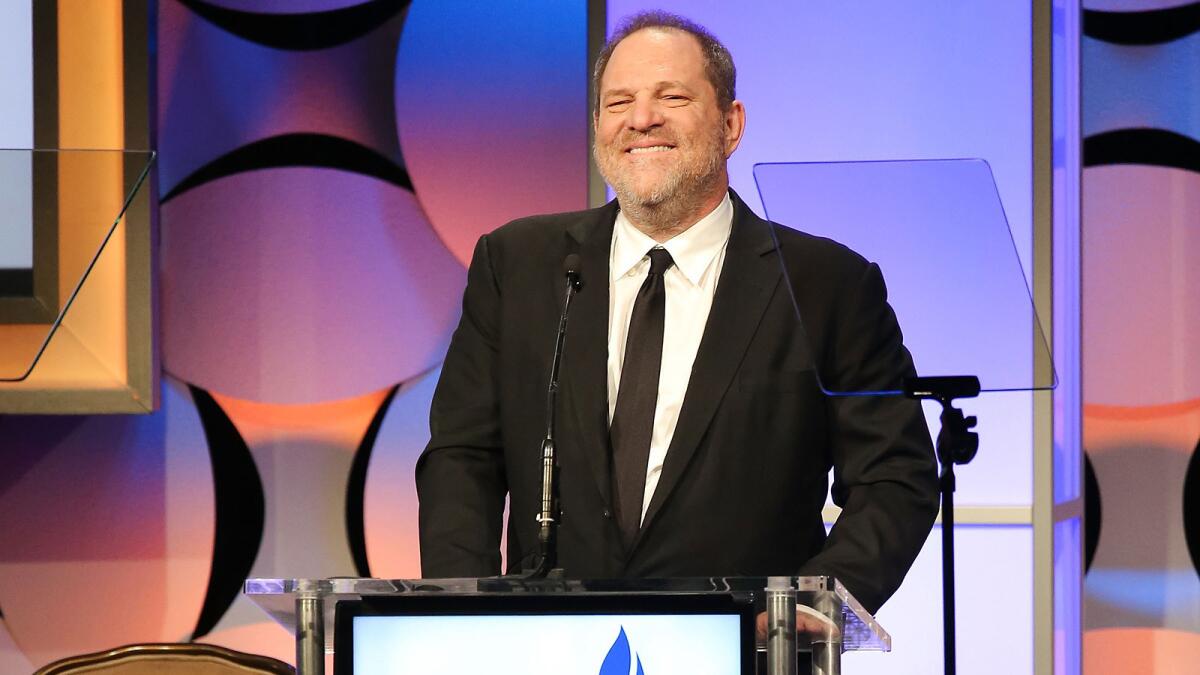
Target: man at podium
693,438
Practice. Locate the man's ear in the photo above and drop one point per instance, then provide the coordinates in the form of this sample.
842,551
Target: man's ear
735,126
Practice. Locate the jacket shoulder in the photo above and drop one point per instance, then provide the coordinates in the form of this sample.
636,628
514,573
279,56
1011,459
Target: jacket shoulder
546,226
524,248
817,253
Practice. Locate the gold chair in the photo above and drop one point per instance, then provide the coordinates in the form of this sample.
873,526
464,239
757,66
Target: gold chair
167,659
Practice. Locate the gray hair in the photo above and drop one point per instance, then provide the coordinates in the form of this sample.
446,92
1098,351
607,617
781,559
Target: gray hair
718,62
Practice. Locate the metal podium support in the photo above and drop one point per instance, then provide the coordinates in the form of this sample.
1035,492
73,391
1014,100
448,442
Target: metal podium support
827,648
781,627
310,634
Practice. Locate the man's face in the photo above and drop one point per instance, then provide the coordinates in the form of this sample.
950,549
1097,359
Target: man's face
660,133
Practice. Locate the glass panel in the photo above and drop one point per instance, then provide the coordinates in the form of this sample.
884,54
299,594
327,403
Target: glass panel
69,203
938,232
277,597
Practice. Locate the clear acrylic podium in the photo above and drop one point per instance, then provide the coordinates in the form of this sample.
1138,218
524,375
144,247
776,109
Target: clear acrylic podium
59,216
306,607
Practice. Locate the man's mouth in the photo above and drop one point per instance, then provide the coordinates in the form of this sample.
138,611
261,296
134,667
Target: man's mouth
651,148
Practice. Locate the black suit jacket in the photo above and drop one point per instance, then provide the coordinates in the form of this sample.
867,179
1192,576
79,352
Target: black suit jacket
745,477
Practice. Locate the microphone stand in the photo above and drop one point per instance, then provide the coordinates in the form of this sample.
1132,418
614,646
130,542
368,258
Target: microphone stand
956,444
547,557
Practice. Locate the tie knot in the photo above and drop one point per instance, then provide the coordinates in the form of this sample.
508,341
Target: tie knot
660,260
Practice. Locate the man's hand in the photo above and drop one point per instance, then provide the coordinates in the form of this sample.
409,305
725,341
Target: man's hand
809,622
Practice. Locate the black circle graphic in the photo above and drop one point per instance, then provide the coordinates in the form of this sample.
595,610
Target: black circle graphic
1092,513
1191,507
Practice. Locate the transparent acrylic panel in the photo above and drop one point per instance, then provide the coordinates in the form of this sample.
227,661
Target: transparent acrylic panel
937,230
277,597
66,204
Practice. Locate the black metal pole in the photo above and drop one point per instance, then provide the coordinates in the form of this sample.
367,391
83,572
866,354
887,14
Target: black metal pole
948,636
956,444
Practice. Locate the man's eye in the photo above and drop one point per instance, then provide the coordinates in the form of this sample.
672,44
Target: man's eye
616,106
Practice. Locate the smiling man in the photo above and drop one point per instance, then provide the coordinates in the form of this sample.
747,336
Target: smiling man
693,439
663,129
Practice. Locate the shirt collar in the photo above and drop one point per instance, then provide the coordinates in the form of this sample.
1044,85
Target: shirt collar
692,250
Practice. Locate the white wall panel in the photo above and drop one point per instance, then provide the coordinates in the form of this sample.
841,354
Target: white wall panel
995,608
16,74
16,128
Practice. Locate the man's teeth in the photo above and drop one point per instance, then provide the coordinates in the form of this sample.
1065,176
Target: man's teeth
653,148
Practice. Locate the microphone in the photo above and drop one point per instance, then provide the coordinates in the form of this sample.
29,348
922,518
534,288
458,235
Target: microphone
571,268
548,517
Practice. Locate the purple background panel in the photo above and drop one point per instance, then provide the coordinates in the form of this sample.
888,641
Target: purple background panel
95,511
302,285
493,127
1141,313
218,91
390,498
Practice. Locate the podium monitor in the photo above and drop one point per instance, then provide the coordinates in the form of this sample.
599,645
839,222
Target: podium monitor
511,634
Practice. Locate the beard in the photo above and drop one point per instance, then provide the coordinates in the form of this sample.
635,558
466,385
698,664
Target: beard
660,197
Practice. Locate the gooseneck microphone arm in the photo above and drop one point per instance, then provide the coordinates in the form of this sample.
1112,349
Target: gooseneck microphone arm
548,517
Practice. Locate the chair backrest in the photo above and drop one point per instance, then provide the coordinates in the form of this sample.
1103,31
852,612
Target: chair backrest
167,659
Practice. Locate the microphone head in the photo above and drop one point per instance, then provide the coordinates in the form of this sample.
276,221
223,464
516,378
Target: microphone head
571,265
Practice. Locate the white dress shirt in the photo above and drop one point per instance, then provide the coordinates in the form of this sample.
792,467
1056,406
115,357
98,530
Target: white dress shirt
699,254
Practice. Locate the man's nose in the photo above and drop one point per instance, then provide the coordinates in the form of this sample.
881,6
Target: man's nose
644,115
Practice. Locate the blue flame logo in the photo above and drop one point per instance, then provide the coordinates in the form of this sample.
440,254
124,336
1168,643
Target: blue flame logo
617,660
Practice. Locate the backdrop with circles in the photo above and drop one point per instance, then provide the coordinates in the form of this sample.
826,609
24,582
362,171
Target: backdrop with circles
314,240
1141,323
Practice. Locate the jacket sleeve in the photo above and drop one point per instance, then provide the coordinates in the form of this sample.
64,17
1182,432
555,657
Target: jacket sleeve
460,476
885,472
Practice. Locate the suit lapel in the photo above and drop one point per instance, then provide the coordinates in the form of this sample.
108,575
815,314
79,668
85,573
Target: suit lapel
585,356
748,279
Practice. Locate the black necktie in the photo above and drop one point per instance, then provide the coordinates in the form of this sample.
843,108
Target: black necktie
633,418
